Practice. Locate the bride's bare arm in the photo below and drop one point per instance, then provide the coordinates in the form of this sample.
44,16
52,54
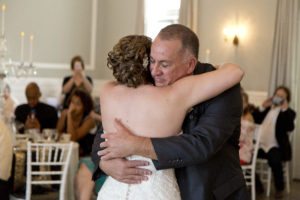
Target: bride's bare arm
194,89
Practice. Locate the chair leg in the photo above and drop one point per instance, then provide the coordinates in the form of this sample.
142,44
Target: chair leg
28,191
61,191
253,195
287,176
269,179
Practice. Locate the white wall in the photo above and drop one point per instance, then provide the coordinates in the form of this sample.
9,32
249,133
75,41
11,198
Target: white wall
253,53
50,88
117,18
62,29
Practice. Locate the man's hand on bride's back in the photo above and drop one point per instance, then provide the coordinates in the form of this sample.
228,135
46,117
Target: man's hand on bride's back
120,144
125,171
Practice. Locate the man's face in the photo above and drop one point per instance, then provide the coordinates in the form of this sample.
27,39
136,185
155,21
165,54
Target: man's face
32,96
167,63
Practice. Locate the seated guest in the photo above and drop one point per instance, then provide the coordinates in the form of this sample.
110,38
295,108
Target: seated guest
9,104
6,155
77,80
247,131
35,114
277,120
77,121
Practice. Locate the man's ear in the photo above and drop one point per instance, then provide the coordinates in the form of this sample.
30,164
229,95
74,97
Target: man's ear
192,64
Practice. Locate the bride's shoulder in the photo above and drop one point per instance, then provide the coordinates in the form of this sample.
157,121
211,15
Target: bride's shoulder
108,85
113,88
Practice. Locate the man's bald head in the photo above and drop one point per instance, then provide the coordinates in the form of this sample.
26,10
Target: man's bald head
32,94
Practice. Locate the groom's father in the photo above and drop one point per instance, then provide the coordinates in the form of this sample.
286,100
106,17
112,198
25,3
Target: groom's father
205,156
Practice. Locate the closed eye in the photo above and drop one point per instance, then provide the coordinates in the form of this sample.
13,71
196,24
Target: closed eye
165,64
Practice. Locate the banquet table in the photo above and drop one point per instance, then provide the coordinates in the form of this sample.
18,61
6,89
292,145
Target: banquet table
20,151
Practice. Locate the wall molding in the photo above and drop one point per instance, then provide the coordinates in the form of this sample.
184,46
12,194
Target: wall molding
93,44
257,97
50,87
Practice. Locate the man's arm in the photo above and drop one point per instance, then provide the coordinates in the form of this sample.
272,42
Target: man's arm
206,131
119,168
123,137
219,121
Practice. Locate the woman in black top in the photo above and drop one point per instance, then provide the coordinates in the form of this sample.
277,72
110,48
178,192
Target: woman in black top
278,147
77,121
77,80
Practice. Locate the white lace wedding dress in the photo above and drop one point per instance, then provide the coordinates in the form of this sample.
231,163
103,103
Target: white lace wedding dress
161,185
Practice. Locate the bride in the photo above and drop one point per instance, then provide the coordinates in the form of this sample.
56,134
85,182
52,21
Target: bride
153,111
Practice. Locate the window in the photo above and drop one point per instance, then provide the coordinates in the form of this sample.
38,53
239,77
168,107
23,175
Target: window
159,14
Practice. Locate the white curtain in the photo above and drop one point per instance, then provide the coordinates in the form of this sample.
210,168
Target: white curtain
286,63
188,14
284,55
139,26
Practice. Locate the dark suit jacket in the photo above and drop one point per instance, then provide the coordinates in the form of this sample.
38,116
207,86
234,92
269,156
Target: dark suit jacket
206,154
284,124
46,114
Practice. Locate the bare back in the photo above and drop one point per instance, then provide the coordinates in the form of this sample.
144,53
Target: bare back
151,111
146,109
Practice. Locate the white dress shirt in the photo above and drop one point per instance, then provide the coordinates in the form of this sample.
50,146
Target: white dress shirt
268,137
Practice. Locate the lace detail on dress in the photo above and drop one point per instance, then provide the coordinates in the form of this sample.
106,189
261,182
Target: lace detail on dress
161,185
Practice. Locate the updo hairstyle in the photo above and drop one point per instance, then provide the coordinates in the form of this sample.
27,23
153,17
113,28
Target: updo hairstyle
129,60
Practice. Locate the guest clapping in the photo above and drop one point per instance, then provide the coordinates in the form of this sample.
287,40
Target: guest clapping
77,80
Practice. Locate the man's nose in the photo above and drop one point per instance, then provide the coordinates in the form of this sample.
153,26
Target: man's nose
156,70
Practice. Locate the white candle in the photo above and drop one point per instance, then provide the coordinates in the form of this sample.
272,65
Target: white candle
31,49
207,52
3,18
22,48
